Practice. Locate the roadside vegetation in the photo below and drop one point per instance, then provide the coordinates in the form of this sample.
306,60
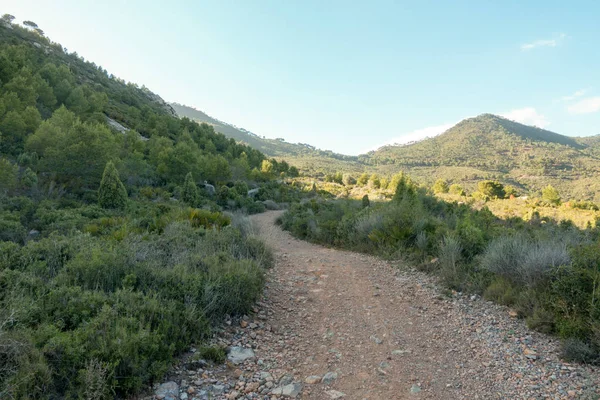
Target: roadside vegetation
123,229
548,271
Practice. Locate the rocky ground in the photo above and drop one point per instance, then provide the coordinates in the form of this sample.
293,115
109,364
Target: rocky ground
335,324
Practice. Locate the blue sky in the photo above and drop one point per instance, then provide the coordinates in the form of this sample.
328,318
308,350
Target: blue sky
346,75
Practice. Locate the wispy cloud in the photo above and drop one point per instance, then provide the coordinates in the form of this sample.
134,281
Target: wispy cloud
543,43
585,106
528,116
575,95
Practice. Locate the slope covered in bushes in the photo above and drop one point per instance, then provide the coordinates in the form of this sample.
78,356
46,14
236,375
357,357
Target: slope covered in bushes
548,271
112,262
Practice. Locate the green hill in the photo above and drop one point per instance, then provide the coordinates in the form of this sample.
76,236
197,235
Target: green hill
271,147
492,147
113,259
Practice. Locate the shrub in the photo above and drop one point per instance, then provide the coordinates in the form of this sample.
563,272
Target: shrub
365,201
523,261
551,196
449,255
95,381
255,207
421,242
11,228
271,205
510,191
501,291
216,354
576,350
231,288
112,192
190,192
349,180
491,189
440,186
456,189
363,179
542,320
208,219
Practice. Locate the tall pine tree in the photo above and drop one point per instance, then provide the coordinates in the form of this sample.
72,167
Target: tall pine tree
190,190
112,192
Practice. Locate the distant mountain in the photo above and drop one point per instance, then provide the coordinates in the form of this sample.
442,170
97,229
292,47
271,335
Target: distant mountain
489,146
271,147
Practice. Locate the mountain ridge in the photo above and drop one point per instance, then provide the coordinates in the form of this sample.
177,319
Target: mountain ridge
272,147
493,147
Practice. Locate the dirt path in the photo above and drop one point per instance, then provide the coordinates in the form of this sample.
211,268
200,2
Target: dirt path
336,324
390,335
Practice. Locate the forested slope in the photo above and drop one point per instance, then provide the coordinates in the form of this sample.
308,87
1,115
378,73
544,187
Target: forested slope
114,255
492,147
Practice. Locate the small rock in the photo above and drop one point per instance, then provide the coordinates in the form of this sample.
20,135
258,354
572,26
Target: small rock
168,391
311,380
291,390
243,323
265,376
376,339
415,389
251,387
531,354
218,389
334,394
329,377
286,380
238,355
233,395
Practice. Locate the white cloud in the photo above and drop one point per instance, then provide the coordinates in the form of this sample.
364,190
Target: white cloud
528,116
416,135
575,95
585,106
543,43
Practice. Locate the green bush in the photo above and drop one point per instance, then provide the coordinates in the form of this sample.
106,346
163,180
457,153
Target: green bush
491,189
450,255
440,186
100,316
456,189
208,219
575,350
190,193
112,192
551,196
523,261
365,201
216,354
231,288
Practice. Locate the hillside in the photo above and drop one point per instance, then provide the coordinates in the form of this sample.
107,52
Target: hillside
113,260
271,147
490,146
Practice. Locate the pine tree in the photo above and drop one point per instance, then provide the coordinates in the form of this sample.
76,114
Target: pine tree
550,195
440,186
112,192
190,190
365,201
